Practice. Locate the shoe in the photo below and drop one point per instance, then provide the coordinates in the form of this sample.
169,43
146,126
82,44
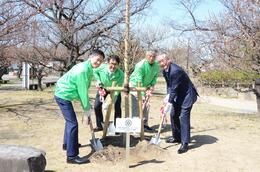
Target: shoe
98,129
184,148
148,129
64,146
77,160
172,140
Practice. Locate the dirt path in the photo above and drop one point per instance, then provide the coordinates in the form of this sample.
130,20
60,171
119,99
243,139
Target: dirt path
235,105
221,139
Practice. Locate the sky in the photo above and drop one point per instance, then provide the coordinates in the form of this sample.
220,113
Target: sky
165,10
162,12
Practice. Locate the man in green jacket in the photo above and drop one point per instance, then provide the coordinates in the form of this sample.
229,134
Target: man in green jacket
105,75
74,85
146,72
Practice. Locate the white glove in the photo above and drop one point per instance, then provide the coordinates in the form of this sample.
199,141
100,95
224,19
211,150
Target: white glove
167,107
166,98
86,117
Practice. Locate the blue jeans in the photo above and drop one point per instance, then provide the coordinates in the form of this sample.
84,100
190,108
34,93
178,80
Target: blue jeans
71,126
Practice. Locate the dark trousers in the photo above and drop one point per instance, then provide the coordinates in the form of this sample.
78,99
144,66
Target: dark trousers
71,126
180,123
98,109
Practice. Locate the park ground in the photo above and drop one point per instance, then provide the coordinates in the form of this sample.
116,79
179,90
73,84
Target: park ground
222,139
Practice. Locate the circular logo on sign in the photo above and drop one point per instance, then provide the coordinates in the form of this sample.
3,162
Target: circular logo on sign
128,123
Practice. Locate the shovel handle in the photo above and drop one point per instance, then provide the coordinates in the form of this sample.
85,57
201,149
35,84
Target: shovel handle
145,101
90,123
91,127
160,126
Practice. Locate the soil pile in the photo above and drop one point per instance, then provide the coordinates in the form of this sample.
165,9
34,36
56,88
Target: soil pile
144,148
117,154
110,154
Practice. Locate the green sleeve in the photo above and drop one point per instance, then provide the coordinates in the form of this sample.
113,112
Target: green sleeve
138,75
83,83
154,80
97,75
120,83
139,78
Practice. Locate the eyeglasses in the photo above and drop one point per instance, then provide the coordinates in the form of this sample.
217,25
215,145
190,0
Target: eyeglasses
113,63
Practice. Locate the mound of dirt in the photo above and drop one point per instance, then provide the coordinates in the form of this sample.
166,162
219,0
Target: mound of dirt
117,154
144,148
110,154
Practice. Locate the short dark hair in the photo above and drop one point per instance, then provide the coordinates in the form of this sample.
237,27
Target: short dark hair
97,52
114,57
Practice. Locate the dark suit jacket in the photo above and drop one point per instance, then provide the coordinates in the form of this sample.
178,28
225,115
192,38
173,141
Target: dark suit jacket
179,87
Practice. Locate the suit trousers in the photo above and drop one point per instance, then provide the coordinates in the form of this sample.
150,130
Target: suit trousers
99,113
180,123
71,126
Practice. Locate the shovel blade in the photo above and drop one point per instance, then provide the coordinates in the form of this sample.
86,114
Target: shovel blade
155,140
96,144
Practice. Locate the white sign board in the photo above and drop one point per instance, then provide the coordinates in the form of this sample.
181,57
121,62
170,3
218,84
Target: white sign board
128,125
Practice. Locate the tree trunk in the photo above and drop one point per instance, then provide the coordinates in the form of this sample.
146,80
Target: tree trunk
257,92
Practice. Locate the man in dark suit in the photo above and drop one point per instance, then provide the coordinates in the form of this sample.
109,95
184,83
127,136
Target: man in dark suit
181,95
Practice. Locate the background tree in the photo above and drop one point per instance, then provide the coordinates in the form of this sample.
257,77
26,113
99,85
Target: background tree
230,40
78,26
13,22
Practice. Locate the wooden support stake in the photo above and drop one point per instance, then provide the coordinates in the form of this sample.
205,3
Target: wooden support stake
109,109
122,88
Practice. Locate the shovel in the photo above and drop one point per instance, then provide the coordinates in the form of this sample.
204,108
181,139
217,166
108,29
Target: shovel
156,139
146,100
95,143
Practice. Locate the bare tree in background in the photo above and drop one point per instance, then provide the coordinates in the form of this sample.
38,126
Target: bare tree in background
152,36
233,38
78,26
136,50
238,34
141,40
29,55
13,22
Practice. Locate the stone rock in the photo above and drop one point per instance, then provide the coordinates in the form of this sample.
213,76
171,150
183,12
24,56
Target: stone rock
15,158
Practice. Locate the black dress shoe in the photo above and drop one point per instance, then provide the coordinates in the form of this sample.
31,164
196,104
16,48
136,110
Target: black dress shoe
173,140
184,148
77,160
98,129
64,146
148,129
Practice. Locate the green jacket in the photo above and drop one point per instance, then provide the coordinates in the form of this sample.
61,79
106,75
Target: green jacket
103,75
74,84
145,73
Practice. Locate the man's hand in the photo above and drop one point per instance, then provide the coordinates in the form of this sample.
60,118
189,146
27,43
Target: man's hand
102,92
150,91
86,117
167,107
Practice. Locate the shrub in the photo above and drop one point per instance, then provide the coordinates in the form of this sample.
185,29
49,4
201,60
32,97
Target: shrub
218,78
